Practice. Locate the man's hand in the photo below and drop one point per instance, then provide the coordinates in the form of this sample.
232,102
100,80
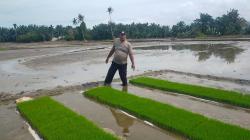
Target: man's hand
133,66
107,60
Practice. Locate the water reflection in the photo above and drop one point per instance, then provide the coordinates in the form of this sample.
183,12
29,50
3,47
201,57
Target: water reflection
227,52
123,120
125,88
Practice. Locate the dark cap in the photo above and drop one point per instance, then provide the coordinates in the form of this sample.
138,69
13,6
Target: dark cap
122,33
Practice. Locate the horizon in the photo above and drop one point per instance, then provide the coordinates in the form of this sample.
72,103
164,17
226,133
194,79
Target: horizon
123,23
26,12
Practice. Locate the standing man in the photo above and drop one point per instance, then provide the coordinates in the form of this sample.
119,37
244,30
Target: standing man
121,50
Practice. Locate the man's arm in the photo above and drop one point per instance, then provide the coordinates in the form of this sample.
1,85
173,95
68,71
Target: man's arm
110,54
131,56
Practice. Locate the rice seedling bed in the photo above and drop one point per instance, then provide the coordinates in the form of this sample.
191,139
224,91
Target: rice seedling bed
191,125
53,121
219,95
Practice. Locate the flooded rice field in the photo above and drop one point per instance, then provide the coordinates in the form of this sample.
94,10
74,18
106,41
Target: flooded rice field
220,64
32,69
226,60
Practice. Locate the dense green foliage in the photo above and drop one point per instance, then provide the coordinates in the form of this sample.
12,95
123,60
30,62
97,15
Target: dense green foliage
228,24
229,97
53,121
30,33
191,125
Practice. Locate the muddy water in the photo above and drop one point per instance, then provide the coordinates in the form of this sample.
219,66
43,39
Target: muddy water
32,69
227,59
64,67
112,119
227,114
12,126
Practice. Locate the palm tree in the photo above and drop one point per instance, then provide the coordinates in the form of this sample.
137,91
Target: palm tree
75,22
15,26
51,28
82,25
80,19
110,11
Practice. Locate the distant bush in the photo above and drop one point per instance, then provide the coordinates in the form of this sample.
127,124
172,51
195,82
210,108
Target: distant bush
247,30
33,37
201,35
69,38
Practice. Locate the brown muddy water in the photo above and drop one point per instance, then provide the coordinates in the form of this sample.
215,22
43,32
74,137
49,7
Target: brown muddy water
32,69
226,113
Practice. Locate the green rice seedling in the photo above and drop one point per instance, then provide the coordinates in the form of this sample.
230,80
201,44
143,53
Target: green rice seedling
190,125
219,95
53,121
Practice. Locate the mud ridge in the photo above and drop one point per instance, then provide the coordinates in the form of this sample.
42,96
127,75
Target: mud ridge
6,98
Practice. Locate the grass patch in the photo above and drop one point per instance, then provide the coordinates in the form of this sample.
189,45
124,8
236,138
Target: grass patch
3,49
54,121
191,125
219,95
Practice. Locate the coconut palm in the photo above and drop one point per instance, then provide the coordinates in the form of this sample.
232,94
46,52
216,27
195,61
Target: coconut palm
75,22
110,11
80,19
15,26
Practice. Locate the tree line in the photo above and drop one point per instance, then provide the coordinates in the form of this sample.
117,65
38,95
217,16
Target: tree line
228,24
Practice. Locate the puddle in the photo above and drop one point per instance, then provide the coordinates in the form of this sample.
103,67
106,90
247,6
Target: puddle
224,60
116,120
227,52
234,116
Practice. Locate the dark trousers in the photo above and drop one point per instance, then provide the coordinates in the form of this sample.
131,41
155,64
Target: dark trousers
122,68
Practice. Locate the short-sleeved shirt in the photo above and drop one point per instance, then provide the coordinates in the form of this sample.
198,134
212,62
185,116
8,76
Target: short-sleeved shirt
121,51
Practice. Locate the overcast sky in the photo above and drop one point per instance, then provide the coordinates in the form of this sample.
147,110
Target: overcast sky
164,12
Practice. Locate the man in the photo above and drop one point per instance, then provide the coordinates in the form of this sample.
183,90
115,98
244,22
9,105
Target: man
121,50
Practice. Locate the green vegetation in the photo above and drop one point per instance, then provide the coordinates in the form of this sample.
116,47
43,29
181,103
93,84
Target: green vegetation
110,11
81,30
229,97
3,49
56,122
191,125
227,24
